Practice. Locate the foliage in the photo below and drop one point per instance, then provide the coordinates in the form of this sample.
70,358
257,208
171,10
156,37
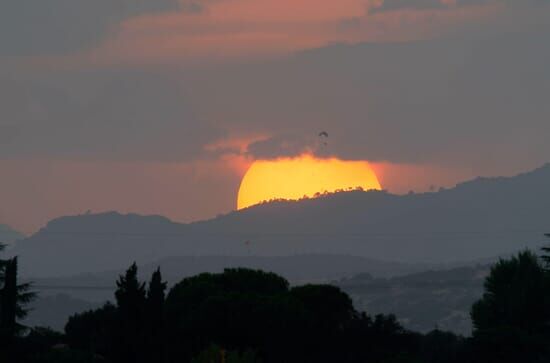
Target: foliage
236,309
215,354
154,318
94,330
242,309
14,299
131,331
130,297
517,295
255,316
546,254
513,316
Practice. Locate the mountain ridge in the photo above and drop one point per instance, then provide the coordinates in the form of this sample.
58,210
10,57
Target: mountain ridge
9,235
481,218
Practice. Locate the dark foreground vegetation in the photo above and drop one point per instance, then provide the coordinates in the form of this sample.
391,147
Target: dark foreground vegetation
251,316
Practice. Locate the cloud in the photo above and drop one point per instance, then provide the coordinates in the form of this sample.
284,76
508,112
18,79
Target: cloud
476,101
424,96
30,27
473,97
288,145
391,5
172,31
280,146
244,29
420,5
102,114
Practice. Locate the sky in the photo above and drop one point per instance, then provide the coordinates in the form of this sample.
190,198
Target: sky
159,107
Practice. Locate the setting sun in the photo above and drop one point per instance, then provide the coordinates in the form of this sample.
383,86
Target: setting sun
294,178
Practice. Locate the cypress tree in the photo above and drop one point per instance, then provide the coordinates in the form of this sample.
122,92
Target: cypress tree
546,256
155,317
13,300
130,296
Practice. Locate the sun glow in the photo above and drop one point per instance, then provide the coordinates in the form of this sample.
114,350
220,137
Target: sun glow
303,176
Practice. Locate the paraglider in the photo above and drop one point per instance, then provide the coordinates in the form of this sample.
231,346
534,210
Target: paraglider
247,244
323,135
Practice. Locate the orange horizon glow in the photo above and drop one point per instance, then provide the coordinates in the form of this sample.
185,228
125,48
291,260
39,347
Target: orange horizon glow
302,176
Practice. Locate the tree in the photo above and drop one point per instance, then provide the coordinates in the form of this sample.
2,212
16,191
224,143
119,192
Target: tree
95,331
131,331
237,309
546,254
215,354
155,317
327,313
130,296
155,298
13,300
512,319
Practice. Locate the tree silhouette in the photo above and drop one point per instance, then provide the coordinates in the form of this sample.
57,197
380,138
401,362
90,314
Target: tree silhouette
94,331
512,319
327,313
155,317
13,300
243,309
130,297
216,354
546,254
237,309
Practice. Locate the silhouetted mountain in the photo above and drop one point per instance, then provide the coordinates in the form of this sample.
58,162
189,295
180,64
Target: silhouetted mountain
9,235
481,218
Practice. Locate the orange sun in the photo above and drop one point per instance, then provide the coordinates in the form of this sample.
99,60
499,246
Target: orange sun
294,178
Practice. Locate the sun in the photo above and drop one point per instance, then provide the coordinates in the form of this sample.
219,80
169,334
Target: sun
302,176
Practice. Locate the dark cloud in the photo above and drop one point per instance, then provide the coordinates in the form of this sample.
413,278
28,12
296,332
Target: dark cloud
473,100
391,5
479,97
288,145
281,146
350,23
109,115
31,27
192,7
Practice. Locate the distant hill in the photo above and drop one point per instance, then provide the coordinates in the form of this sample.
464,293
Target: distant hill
481,218
9,235
53,311
421,301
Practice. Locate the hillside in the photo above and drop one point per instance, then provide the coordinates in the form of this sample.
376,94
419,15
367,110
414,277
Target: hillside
481,218
421,301
9,235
